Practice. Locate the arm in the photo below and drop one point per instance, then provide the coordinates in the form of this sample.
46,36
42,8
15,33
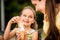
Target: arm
35,36
9,34
12,33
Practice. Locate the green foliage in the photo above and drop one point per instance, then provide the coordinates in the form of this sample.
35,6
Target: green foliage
39,19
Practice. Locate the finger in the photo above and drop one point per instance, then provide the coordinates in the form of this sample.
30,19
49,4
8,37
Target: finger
11,20
18,36
17,18
14,19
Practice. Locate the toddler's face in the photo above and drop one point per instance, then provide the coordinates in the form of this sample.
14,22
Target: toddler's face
27,17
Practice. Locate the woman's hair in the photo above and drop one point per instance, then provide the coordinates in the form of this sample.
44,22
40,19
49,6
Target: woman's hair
53,32
57,1
34,25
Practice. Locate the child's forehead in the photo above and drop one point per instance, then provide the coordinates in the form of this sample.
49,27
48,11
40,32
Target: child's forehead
27,10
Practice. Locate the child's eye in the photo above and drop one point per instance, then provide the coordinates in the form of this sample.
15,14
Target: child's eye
30,16
35,4
24,15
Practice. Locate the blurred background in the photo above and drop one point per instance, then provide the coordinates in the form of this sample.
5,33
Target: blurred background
10,8
13,7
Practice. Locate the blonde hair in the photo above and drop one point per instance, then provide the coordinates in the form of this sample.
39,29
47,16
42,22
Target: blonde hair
34,25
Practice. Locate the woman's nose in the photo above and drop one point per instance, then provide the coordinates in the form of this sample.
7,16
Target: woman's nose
34,2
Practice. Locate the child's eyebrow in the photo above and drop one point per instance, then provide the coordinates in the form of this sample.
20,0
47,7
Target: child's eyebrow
39,0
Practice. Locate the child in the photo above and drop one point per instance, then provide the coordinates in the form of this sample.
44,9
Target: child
26,21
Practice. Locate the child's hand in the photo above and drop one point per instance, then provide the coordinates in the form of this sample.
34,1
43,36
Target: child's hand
15,19
21,35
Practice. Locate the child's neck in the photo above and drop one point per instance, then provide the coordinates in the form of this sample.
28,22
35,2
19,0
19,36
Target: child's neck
27,28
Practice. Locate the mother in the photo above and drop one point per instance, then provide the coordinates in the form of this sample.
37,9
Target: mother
51,13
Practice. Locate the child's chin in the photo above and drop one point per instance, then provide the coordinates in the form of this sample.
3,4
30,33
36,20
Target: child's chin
26,24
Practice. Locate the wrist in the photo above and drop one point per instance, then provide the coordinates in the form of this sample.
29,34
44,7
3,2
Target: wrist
9,23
